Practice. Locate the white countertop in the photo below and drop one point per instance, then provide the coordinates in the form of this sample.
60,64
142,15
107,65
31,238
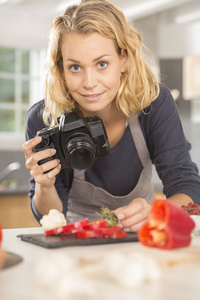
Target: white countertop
18,282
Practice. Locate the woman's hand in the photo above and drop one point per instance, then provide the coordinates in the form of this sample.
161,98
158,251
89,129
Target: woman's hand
133,215
37,171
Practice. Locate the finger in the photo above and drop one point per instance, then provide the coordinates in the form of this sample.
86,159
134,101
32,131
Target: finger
119,210
46,179
28,146
37,156
133,208
41,169
134,228
135,219
54,172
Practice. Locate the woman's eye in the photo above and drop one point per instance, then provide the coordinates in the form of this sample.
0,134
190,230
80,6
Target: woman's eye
75,68
102,64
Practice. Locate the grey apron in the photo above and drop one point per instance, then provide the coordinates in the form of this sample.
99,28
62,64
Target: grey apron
85,199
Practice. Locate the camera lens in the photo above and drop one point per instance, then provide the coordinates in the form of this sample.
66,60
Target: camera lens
80,153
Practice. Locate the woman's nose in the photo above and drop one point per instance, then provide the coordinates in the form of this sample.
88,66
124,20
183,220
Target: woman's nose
90,79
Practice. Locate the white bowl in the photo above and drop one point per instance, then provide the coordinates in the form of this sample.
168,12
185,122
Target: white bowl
196,219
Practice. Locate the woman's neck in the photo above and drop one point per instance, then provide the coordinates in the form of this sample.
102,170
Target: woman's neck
114,122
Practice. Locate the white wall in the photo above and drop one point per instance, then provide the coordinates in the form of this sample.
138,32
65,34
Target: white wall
177,40
168,39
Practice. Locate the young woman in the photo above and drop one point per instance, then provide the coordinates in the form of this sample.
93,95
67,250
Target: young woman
96,64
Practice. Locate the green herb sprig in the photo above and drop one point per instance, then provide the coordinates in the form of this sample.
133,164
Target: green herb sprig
109,216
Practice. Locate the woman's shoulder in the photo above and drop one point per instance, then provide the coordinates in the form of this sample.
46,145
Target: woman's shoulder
164,92
162,113
164,96
161,103
34,121
36,110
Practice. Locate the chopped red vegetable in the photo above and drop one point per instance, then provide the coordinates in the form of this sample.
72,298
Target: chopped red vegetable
110,229
67,229
192,208
167,227
83,229
113,232
115,235
95,225
85,234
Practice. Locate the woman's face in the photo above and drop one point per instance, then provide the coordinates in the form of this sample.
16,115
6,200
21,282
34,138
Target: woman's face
92,70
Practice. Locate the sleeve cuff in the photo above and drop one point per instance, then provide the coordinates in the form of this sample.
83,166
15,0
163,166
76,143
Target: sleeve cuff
36,214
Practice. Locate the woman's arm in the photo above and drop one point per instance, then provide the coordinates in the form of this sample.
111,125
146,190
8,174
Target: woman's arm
180,199
46,190
169,148
45,196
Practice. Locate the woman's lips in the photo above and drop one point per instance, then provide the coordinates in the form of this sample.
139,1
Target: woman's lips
92,97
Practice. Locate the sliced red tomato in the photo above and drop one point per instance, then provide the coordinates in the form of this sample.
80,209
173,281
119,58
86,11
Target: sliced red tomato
53,231
80,223
88,234
95,225
113,232
110,229
67,229
74,227
83,229
115,235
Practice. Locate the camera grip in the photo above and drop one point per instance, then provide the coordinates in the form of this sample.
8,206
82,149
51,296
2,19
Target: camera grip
39,148
43,161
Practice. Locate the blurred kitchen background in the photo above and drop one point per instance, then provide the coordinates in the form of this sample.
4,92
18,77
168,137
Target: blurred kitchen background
170,28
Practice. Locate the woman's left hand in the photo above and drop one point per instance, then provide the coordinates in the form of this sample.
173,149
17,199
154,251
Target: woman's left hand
133,215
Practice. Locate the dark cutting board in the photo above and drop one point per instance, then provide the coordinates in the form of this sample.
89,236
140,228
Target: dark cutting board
71,240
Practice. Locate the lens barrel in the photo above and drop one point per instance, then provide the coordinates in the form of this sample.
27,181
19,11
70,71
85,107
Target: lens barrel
80,153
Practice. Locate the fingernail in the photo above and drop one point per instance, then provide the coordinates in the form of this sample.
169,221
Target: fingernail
53,151
121,217
126,229
38,139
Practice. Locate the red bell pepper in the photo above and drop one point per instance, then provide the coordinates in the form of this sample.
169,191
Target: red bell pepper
88,234
112,232
167,227
67,229
95,225
110,229
115,234
83,229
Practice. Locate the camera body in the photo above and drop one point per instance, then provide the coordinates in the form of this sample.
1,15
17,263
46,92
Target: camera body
78,141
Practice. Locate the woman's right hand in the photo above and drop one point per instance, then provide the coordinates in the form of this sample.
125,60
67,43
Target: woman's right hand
39,171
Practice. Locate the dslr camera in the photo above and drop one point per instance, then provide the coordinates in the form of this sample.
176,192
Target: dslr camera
78,141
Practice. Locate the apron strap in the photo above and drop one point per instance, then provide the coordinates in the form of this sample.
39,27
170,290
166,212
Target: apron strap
79,175
139,140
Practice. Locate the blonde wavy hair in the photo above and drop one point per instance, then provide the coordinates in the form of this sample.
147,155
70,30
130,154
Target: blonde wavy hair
138,87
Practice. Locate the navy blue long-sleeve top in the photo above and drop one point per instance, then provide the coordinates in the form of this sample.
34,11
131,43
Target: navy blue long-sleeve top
119,172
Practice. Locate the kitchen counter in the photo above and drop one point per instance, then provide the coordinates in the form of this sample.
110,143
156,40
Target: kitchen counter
19,282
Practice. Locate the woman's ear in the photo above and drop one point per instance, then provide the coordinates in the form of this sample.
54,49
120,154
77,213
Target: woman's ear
124,59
